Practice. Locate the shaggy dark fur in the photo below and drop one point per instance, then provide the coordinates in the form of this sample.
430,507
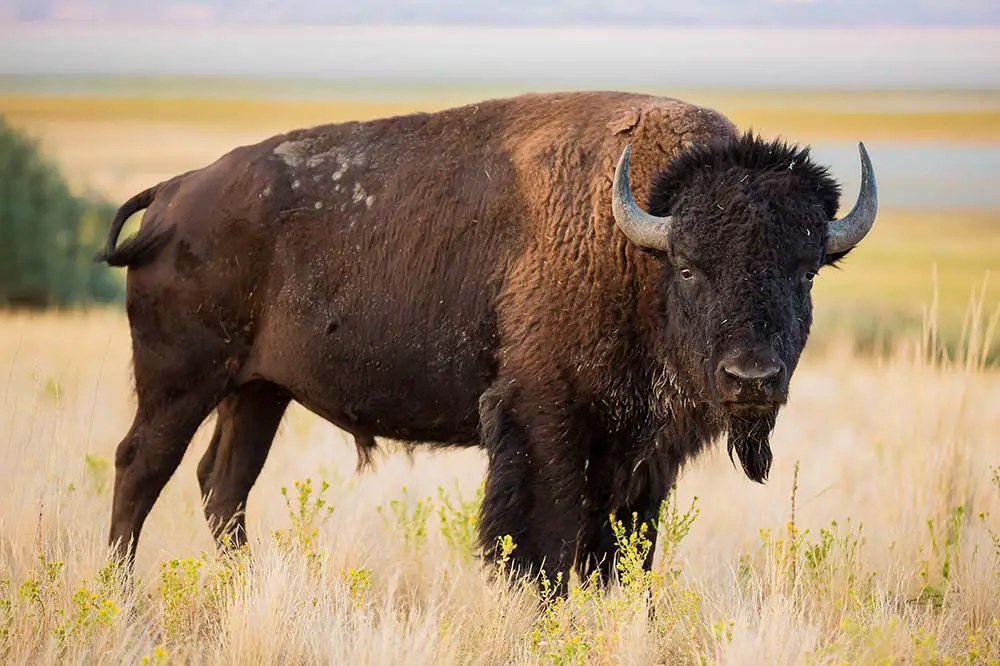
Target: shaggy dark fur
457,278
752,232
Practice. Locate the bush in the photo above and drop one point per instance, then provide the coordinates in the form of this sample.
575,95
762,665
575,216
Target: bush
48,235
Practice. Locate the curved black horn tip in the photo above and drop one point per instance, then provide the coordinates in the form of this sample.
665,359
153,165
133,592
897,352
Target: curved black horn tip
866,160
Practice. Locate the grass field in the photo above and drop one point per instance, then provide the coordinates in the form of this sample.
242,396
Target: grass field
876,540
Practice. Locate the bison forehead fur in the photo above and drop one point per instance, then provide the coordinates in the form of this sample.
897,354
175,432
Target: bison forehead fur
459,278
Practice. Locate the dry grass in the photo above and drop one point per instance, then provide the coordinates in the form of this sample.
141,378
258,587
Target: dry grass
878,551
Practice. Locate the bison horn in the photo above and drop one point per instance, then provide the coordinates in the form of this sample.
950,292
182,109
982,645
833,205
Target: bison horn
638,226
845,233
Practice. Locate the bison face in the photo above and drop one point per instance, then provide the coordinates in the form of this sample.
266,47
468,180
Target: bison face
742,229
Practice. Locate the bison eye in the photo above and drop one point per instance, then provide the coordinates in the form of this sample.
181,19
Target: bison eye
810,276
686,273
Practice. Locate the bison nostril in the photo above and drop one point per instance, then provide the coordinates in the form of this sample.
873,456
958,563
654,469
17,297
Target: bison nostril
753,372
751,377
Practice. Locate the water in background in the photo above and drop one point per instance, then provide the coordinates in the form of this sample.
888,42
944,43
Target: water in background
934,175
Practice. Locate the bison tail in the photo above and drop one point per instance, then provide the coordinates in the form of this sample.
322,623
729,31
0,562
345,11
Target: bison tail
140,246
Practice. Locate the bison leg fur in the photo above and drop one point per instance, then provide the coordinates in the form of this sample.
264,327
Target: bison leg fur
183,368
600,550
164,423
247,422
534,485
648,486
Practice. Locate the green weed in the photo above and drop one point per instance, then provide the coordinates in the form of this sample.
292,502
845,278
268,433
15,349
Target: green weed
460,520
410,518
97,473
307,516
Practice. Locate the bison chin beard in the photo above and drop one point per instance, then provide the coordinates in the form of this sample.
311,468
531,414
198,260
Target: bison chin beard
750,435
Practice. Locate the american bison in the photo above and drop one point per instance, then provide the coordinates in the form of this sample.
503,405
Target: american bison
482,276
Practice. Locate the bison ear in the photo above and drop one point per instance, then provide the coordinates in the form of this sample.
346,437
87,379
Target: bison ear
833,259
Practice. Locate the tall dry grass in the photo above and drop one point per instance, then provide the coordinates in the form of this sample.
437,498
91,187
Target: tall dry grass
875,540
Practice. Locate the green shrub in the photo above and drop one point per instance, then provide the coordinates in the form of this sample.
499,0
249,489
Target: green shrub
48,235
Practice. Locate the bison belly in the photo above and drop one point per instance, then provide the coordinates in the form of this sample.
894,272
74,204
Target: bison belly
378,346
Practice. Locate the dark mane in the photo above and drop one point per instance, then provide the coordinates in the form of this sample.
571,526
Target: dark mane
748,152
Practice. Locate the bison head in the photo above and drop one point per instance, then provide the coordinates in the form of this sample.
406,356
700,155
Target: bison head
741,228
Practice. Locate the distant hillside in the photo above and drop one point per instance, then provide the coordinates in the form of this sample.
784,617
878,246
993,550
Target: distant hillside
814,13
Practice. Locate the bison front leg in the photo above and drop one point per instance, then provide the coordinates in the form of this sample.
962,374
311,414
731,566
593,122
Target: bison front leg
642,487
534,482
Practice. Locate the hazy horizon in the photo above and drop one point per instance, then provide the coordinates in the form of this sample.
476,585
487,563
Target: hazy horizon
585,57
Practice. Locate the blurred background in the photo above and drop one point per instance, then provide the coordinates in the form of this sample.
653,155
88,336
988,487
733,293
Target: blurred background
102,98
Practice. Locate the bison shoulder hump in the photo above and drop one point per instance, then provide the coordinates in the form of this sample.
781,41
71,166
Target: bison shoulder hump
674,123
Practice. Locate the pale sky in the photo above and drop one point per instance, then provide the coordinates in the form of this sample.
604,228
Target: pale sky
968,13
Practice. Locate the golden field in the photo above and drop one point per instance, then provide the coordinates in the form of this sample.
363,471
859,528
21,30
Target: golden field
876,540
883,547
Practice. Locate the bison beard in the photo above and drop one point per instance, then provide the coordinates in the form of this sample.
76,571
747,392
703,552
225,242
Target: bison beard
750,435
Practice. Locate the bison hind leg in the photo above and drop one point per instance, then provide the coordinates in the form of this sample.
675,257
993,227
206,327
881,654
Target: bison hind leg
175,394
248,420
